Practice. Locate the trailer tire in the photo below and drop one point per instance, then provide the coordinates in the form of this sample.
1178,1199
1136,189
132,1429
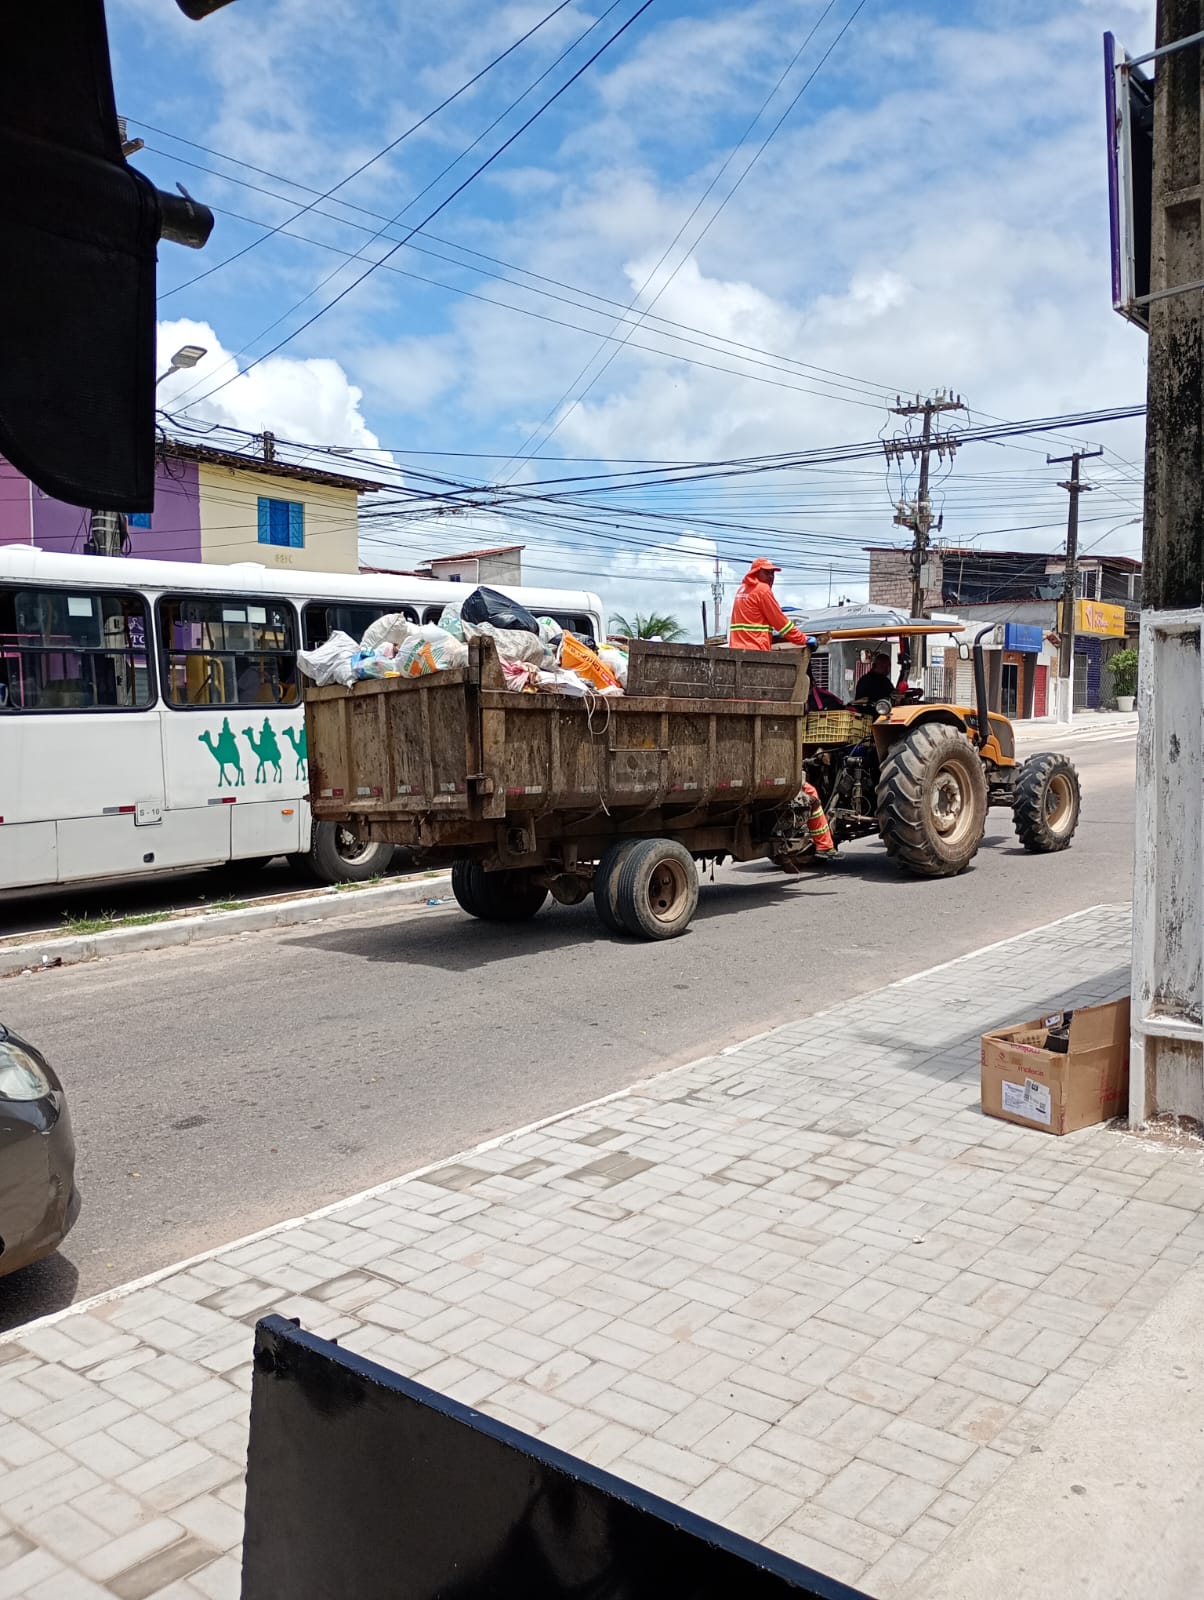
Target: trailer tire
656,893
932,801
336,855
506,896
1047,801
606,883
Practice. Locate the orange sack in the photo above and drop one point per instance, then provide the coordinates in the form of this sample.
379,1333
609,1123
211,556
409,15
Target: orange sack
586,663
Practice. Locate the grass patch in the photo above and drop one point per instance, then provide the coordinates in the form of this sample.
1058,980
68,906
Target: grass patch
107,921
229,905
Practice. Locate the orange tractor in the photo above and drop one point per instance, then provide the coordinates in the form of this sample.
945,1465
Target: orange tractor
923,774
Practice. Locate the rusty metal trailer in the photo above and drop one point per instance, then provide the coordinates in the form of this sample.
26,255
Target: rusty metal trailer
527,795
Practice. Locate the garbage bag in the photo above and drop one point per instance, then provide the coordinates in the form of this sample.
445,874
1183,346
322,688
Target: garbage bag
449,620
616,660
418,655
386,630
487,605
513,644
580,659
330,662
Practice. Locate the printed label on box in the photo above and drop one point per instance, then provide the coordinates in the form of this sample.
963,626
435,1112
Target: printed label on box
1027,1099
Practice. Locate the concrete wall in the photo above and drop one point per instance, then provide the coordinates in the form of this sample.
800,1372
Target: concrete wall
229,521
15,515
890,580
503,569
1166,1073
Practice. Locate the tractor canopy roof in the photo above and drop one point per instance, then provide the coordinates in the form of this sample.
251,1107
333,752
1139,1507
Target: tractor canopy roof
908,630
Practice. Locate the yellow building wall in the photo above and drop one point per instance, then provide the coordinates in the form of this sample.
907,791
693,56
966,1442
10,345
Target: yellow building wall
229,509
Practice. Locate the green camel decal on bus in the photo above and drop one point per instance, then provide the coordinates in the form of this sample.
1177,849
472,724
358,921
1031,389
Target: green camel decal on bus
300,750
267,752
224,752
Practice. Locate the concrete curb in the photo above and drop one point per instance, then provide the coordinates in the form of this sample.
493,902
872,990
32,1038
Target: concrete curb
42,953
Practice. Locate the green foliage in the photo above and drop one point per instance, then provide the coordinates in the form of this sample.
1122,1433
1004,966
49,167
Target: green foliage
655,625
1123,667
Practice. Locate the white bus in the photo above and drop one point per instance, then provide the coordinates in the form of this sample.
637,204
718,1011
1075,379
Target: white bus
150,713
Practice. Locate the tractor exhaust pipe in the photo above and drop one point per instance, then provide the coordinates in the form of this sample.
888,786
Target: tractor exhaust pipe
980,687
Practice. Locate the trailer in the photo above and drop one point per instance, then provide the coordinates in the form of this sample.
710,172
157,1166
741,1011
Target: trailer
531,795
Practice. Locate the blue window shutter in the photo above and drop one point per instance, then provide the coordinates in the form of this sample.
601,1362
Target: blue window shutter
139,519
296,525
279,521
265,520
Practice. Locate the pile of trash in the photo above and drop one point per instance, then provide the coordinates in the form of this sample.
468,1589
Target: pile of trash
537,655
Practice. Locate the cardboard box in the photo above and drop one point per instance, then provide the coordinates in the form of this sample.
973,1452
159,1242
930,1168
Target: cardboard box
1038,1088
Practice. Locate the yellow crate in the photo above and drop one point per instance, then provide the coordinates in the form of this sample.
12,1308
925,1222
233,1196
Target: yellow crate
836,727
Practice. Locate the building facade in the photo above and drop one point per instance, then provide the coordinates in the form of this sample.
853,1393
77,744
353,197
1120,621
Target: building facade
1020,591
210,506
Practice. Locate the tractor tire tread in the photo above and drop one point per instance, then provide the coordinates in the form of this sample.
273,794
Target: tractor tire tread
901,822
1028,810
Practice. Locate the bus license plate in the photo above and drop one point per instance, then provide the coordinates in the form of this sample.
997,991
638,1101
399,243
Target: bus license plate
146,816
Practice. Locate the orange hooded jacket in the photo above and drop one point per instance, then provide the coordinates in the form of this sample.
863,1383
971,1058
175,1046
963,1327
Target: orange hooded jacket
757,618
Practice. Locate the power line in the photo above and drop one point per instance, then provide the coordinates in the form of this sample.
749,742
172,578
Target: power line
380,154
444,203
576,400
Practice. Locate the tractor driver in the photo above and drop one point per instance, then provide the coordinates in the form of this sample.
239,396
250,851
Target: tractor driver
875,684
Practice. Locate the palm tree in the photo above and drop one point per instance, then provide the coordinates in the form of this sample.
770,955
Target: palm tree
653,626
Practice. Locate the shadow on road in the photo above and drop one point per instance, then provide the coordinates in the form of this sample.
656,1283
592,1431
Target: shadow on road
462,944
36,1291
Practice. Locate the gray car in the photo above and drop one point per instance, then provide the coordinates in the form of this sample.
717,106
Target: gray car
38,1198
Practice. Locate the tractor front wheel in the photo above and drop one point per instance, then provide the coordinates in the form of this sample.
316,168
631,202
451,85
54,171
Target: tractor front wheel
932,801
1046,807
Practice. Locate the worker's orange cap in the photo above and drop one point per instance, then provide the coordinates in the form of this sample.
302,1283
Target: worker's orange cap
764,564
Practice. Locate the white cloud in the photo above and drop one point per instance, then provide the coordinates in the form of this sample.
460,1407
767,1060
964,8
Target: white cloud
310,401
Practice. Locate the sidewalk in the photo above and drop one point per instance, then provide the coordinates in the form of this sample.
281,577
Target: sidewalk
1104,724
803,1287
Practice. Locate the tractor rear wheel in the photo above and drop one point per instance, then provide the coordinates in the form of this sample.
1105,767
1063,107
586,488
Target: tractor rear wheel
932,801
1046,807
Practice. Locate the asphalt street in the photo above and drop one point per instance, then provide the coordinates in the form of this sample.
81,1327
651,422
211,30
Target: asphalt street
219,1089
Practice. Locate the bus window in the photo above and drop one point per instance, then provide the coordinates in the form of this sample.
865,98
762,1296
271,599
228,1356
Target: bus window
576,623
73,650
321,618
229,651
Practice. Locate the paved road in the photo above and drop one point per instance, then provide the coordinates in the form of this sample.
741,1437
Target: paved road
220,1089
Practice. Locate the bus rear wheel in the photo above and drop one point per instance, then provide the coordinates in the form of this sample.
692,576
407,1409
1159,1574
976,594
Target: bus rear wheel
338,855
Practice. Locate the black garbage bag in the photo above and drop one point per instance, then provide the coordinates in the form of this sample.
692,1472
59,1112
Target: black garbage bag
487,605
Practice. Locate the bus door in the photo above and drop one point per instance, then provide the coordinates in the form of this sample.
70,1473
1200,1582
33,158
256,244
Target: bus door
81,772
233,731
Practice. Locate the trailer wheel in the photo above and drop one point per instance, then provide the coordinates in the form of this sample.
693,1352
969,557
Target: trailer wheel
338,855
1046,807
656,894
606,884
932,801
506,896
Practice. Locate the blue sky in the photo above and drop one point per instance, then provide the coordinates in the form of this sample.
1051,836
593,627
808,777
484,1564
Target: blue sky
932,213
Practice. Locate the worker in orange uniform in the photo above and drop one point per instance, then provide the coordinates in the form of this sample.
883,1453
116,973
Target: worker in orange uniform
757,620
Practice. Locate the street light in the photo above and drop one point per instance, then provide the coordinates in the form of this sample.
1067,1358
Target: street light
186,356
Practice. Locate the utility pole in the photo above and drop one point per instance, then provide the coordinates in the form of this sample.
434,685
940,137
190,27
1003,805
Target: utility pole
106,533
1074,489
917,514
717,595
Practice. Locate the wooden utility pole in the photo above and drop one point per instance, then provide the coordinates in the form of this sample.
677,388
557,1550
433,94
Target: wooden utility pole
917,514
1074,489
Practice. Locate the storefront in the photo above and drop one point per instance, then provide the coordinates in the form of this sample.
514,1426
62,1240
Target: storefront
1099,632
